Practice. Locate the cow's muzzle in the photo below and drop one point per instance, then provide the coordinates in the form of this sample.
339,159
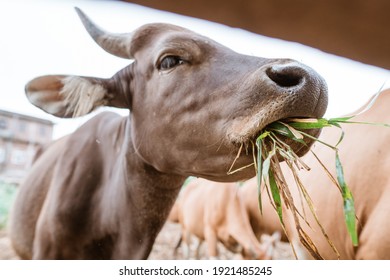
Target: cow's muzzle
308,89
281,89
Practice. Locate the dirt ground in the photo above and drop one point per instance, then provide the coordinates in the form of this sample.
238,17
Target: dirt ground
170,234
6,252
163,247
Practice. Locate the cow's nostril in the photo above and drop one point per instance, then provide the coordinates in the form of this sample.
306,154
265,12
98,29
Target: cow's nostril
285,76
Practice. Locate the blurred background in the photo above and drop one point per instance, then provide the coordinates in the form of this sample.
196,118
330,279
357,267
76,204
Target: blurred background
347,42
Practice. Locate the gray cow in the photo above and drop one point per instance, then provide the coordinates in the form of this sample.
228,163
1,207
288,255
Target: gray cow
105,191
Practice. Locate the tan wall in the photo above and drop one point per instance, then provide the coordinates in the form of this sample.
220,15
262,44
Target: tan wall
20,137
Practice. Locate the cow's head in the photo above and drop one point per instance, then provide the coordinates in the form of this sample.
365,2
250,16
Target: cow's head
193,102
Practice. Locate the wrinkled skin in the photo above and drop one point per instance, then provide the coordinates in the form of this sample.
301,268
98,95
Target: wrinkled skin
106,190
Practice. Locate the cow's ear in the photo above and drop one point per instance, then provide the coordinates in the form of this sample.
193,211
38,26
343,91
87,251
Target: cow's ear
68,96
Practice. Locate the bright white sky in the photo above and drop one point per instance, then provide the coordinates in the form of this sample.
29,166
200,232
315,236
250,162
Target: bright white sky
46,37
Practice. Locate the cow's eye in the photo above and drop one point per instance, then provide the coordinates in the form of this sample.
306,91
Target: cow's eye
169,62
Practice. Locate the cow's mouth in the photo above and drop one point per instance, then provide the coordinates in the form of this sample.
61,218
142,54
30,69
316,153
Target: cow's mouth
249,134
300,148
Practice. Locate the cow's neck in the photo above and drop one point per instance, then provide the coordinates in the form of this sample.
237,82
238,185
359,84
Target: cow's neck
148,196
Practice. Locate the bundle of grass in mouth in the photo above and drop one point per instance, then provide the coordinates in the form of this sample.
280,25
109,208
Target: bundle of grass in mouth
274,144
271,147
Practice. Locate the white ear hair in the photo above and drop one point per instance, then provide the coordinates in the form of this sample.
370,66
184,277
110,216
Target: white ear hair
81,95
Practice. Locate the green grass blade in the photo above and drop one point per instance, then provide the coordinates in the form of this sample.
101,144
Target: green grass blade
349,205
334,121
263,136
259,142
341,135
275,195
308,123
282,129
367,123
267,164
318,140
294,131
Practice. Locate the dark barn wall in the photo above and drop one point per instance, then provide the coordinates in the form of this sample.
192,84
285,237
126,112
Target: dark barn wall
356,29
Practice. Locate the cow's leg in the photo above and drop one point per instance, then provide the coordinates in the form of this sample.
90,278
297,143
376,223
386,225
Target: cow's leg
211,241
186,236
54,240
45,246
197,253
178,244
